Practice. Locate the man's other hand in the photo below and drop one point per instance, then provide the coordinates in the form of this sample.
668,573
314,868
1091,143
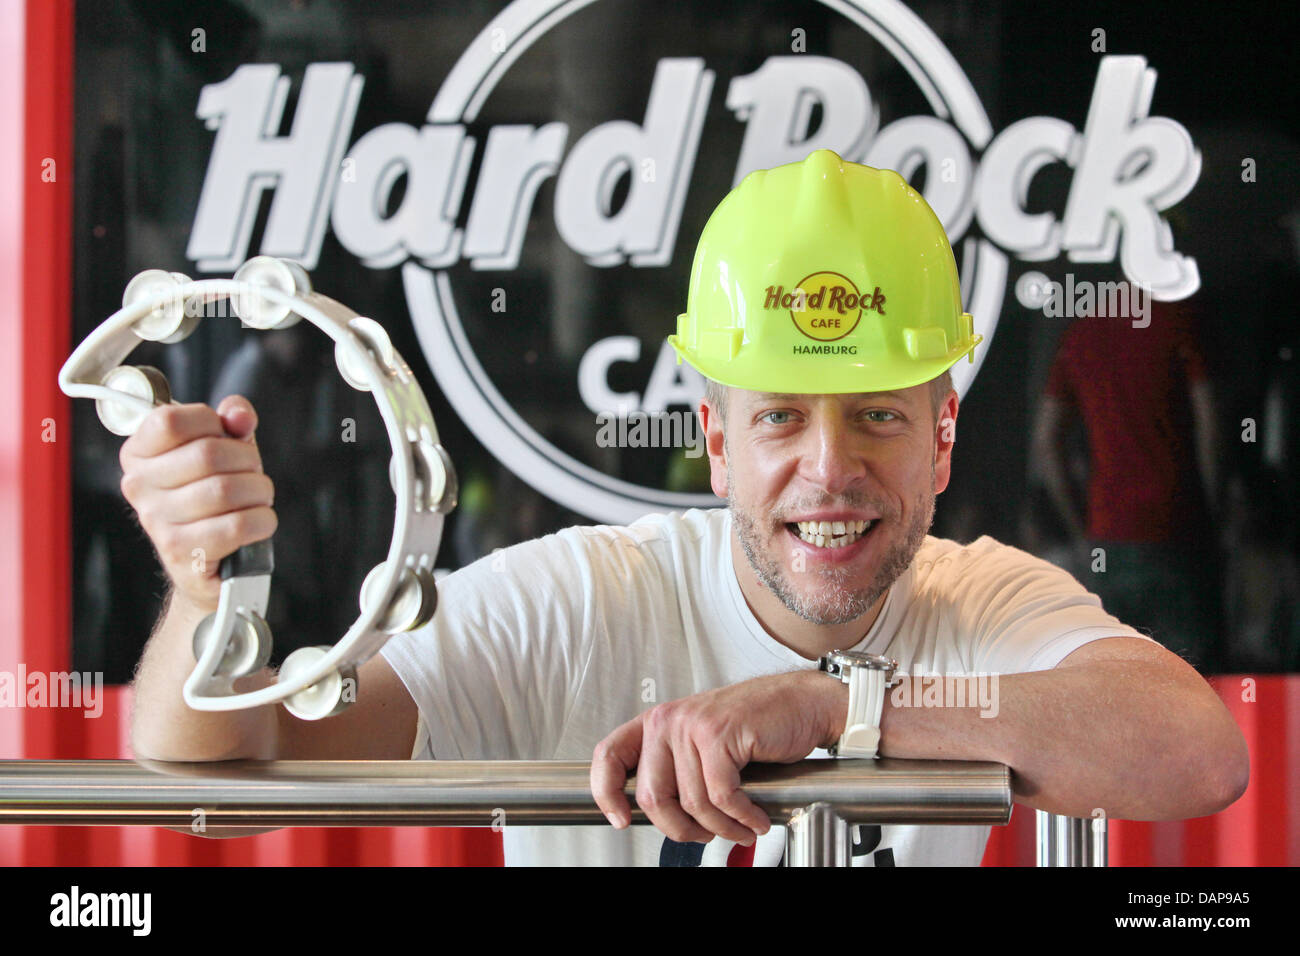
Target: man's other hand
687,754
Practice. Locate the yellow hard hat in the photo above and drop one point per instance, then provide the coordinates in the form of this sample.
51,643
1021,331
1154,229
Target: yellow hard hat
823,276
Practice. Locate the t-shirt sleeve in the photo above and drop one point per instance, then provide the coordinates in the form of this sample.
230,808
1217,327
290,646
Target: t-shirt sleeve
494,674
1026,613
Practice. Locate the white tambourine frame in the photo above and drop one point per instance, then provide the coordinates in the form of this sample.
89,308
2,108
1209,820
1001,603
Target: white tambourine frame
420,472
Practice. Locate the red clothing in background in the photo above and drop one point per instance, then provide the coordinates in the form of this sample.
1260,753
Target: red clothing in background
1130,386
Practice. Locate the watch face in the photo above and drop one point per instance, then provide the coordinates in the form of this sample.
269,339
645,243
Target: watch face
859,659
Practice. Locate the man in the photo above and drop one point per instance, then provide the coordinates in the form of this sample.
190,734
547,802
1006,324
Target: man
824,308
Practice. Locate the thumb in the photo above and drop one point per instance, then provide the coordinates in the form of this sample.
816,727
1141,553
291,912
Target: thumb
238,418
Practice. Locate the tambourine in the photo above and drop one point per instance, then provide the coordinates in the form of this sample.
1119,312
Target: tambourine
399,594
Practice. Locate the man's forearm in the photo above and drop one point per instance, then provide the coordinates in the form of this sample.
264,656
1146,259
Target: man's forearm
1125,737
164,727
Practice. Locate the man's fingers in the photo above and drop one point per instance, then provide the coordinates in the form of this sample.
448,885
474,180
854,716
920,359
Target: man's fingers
238,417
197,460
610,762
656,793
170,426
221,494
693,795
219,536
722,786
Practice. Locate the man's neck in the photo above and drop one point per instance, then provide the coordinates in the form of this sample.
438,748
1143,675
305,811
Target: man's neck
784,626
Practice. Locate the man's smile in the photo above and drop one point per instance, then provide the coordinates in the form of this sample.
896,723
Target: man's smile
831,534
832,542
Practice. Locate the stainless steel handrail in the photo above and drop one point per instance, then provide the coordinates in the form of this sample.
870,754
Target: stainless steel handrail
353,793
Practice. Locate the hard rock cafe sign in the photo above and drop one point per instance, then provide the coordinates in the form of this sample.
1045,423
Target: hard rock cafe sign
1126,168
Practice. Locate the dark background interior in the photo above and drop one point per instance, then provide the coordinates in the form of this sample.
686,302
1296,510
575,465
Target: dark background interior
1226,73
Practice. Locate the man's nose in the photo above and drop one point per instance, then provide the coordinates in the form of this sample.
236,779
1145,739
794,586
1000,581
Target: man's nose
831,458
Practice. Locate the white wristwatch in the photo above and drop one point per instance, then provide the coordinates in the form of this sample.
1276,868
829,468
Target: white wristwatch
868,676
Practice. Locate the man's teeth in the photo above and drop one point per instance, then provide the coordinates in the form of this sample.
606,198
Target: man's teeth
832,534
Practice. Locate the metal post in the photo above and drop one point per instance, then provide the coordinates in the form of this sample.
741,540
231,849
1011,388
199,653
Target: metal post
1071,841
1043,842
817,836
1098,842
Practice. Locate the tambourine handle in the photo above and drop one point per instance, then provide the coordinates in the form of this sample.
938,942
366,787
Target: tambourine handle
248,561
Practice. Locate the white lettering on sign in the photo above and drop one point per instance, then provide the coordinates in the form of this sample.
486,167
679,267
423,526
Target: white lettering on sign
645,228
669,384
1128,168
1131,167
435,166
1008,167
518,160
776,101
249,156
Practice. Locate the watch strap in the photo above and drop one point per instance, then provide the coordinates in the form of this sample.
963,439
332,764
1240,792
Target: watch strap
861,737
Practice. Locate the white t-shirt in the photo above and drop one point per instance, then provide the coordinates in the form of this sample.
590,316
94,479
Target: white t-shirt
537,652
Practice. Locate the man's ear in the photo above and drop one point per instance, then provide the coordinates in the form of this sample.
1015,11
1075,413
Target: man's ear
945,436
716,446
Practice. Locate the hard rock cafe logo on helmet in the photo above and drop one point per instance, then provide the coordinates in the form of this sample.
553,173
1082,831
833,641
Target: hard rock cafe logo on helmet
1126,168
825,305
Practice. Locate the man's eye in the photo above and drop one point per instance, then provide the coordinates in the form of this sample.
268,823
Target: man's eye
776,418
880,415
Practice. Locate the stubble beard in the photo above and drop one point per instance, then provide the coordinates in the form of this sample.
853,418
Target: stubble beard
836,597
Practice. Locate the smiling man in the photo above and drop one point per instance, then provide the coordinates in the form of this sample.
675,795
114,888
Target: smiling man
804,618
872,535
830,423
